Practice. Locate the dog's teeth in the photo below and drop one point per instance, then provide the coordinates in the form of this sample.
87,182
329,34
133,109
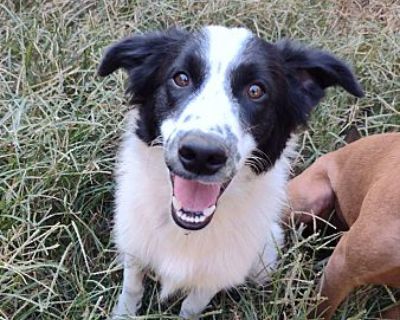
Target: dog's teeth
209,211
176,203
190,218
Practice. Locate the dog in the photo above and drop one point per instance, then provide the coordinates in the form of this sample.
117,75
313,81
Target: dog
204,163
361,181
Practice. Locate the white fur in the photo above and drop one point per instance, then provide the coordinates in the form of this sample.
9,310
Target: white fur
242,239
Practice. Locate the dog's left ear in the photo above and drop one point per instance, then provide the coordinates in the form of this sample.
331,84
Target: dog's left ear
311,71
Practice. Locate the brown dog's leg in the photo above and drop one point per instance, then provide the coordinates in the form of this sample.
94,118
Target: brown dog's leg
348,268
337,281
311,192
368,252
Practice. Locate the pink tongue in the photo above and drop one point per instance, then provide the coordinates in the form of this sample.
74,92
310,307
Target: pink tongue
195,196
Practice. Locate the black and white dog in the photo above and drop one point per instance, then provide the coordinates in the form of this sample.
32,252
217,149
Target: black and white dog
203,165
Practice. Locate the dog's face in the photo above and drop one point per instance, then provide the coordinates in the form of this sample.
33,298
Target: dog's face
218,100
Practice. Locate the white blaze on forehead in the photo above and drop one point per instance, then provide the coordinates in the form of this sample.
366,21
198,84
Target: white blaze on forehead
214,105
224,46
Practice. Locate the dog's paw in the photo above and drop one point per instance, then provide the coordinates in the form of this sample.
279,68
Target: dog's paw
127,306
186,314
121,312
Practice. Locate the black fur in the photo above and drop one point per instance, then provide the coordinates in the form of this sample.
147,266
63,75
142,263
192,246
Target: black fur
294,78
310,71
146,59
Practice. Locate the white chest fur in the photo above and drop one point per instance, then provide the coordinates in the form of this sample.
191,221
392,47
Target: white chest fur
243,235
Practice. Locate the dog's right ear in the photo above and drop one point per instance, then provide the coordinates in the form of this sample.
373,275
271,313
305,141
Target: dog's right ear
149,49
143,57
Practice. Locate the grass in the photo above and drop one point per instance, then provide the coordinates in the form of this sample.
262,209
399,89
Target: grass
59,128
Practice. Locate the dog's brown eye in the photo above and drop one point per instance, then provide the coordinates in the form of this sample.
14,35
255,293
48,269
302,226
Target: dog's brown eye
255,91
181,79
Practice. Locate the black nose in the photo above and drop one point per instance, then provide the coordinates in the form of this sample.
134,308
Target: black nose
202,154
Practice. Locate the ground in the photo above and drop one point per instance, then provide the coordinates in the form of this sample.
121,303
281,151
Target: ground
59,128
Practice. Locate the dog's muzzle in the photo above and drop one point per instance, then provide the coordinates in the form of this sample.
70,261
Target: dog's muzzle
201,166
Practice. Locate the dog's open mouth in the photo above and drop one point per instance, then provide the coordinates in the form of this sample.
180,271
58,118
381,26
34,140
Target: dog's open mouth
193,202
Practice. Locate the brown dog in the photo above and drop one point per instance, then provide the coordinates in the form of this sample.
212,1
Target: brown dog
362,182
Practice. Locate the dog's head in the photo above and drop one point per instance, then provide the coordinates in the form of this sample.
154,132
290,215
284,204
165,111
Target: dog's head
217,100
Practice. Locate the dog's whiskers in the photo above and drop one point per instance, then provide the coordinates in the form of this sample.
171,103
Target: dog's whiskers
259,162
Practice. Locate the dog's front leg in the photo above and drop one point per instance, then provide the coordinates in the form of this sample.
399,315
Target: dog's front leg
196,301
132,291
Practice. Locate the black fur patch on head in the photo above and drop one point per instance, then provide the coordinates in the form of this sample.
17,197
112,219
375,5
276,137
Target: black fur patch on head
270,119
146,58
294,79
190,62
